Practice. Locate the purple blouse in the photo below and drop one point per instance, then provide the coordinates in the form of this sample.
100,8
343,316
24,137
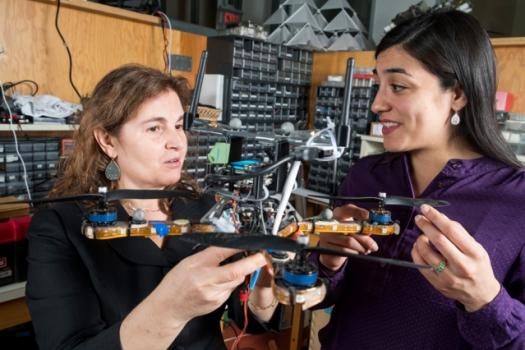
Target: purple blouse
388,307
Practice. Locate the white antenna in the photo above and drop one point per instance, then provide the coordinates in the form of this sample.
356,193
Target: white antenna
290,179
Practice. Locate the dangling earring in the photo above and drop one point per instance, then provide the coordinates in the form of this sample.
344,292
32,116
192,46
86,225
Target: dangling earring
456,119
112,171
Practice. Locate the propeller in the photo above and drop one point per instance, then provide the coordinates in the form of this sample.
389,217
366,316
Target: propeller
146,194
110,196
388,200
270,242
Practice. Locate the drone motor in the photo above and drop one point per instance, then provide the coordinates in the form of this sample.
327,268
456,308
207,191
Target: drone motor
299,284
279,258
103,217
380,223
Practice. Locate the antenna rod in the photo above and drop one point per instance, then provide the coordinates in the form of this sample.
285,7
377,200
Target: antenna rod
344,129
192,112
346,116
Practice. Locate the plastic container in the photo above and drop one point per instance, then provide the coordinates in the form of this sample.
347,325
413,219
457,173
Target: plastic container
13,249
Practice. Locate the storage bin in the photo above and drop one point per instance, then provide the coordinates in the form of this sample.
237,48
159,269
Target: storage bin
13,249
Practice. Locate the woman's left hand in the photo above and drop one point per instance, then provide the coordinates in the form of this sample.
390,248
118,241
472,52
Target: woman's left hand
462,269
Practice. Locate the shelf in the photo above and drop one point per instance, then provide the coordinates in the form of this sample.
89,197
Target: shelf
373,145
39,127
370,145
13,306
90,6
306,193
12,291
512,41
303,195
371,138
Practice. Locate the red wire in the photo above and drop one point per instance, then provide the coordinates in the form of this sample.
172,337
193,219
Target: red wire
238,339
234,209
244,294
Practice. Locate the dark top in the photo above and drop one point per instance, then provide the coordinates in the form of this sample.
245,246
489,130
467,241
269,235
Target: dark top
79,290
389,307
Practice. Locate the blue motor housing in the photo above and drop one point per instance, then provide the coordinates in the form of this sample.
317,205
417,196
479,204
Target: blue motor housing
301,274
102,217
382,217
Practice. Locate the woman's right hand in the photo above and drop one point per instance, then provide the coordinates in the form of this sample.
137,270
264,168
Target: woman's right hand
355,243
199,285
196,286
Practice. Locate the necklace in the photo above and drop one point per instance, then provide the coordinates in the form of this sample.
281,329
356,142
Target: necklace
132,209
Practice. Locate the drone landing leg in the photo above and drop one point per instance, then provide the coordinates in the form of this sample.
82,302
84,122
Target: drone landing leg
297,327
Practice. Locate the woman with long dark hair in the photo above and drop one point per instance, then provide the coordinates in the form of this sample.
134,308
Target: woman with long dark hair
437,85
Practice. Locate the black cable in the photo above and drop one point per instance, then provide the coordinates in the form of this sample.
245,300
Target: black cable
68,53
254,223
41,182
159,7
166,42
3,97
232,178
10,85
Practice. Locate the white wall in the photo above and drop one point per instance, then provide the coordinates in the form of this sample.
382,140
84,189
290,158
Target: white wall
256,11
519,23
383,11
496,16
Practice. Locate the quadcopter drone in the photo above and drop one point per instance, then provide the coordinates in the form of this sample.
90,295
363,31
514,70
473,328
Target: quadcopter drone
296,280
248,215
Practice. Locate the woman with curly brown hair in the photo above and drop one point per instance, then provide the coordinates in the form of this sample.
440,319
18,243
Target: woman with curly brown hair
132,293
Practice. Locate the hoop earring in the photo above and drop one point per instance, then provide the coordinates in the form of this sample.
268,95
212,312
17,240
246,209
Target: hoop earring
456,119
112,171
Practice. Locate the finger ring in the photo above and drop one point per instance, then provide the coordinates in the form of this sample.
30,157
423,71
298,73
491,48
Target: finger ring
441,266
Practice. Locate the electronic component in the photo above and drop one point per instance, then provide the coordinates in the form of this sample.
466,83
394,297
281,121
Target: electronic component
15,119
